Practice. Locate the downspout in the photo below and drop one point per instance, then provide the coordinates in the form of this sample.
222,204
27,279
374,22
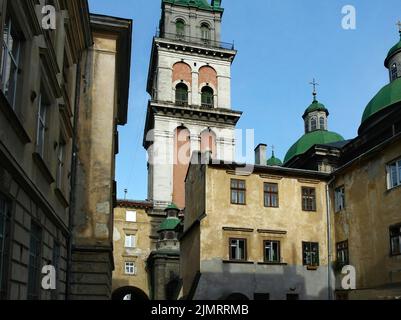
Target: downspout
74,163
329,245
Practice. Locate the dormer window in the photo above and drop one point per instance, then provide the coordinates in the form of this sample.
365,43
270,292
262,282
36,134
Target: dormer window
180,29
394,72
321,123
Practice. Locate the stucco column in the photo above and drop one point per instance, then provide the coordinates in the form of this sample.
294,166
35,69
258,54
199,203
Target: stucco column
195,88
224,92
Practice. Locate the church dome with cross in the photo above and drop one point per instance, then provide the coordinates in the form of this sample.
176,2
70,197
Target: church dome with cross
316,132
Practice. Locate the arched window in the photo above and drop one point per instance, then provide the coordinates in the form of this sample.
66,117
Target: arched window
205,32
181,94
306,127
394,72
321,123
207,97
180,28
313,124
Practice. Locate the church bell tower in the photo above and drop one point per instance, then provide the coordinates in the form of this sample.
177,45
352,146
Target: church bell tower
189,110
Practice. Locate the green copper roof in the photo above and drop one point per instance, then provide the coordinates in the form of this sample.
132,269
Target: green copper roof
273,161
201,4
310,139
316,106
171,206
169,224
386,97
393,50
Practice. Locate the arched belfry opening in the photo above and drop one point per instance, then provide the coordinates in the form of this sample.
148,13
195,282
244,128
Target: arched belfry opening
129,293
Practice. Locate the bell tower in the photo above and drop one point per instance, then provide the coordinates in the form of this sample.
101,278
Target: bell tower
189,110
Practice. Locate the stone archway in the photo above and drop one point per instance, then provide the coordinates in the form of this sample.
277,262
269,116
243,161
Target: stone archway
129,293
236,296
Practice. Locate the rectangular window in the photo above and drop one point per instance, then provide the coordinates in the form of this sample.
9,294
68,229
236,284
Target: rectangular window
394,174
130,268
310,253
130,241
271,195
56,265
60,164
308,199
395,240
35,253
339,200
10,61
5,218
238,191
342,253
272,251
238,249
130,216
41,127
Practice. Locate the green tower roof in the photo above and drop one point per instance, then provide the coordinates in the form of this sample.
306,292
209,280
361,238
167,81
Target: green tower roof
201,4
273,161
171,206
396,48
169,224
310,139
316,106
386,97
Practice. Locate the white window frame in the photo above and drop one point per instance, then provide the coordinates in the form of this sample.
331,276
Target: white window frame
130,268
394,71
390,174
130,216
339,198
9,61
41,127
130,241
60,164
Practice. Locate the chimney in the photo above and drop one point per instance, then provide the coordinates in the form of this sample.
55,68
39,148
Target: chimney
260,154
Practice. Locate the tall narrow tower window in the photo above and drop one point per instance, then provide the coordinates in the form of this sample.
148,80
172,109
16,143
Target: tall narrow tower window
394,72
207,97
313,124
205,32
180,29
181,94
322,124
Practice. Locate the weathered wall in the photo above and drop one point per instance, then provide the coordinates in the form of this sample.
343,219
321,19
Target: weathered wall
370,210
144,245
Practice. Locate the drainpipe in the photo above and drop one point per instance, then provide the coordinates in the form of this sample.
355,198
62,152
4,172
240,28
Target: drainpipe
74,163
329,251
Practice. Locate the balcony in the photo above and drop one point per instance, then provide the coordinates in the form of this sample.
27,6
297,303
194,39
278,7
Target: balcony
195,41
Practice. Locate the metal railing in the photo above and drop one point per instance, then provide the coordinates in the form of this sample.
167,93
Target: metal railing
193,40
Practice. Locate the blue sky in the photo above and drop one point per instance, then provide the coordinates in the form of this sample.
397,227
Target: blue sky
282,45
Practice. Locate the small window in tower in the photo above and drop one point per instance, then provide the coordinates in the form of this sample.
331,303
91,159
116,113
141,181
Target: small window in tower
207,97
394,72
181,94
205,33
313,124
180,29
321,123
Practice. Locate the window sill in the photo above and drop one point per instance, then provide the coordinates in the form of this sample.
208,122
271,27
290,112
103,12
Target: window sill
13,119
312,268
272,263
37,158
238,262
393,188
60,196
393,255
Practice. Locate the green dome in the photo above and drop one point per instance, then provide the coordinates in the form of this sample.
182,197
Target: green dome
316,106
310,139
169,224
172,206
275,162
386,97
392,52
